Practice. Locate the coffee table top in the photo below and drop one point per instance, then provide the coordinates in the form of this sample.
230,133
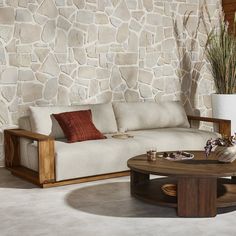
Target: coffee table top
198,166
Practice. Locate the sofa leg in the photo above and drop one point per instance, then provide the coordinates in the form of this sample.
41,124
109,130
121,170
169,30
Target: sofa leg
12,150
46,161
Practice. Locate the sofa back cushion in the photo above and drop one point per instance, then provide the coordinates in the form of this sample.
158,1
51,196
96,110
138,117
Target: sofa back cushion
149,115
24,123
43,122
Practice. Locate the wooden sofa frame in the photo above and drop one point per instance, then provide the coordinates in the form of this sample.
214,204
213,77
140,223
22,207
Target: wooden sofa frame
45,177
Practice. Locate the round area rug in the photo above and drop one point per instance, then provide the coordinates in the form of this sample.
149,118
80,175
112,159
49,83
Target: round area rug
114,199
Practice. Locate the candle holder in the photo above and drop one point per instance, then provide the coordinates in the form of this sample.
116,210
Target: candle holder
151,155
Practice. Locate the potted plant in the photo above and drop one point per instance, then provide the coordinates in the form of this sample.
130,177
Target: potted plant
221,54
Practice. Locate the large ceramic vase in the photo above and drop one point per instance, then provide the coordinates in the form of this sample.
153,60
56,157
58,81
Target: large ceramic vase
224,107
226,154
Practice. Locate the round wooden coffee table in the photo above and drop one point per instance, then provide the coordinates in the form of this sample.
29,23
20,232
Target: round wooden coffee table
200,186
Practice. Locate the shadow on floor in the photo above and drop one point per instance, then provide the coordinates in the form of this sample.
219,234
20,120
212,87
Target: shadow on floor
7,180
113,199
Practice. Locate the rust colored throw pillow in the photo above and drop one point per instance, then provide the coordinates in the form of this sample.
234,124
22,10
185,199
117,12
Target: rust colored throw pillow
78,126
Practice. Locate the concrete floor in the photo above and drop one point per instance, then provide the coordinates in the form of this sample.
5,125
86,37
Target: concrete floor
102,208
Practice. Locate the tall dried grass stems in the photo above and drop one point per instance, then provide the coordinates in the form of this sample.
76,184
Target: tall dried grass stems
190,56
219,51
221,54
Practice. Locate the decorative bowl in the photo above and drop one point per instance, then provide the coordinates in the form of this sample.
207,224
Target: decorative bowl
169,189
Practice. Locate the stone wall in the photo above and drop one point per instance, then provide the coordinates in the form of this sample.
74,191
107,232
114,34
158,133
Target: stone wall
79,51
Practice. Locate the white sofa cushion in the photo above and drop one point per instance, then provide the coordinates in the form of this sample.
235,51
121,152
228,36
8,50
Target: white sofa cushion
149,115
43,122
81,159
24,123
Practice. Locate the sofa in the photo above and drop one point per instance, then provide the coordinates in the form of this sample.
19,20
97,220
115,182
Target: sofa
39,152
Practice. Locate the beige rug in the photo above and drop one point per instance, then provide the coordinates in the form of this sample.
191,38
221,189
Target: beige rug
102,208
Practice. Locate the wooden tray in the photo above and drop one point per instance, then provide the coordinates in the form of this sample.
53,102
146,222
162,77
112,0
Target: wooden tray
122,136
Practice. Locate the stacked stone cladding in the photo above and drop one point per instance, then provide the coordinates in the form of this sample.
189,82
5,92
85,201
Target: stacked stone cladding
62,52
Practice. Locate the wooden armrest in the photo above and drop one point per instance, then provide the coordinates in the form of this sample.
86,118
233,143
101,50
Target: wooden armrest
224,125
28,134
46,172
208,119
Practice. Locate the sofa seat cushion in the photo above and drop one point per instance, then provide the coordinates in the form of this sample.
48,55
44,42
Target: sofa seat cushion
43,122
95,157
174,139
149,115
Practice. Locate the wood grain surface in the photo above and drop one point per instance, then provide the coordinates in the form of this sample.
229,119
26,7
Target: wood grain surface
200,190
224,126
200,166
229,8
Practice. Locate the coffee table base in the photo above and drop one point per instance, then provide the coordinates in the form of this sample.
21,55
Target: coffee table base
197,197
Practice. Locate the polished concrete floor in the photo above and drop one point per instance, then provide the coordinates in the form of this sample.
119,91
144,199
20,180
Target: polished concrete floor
102,208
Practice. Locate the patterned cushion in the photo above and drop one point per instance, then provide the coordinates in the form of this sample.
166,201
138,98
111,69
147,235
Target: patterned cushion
78,126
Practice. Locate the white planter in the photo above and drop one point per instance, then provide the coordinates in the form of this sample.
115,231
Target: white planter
224,107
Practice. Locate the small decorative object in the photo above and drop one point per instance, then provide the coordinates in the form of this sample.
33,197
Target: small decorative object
177,156
225,149
122,136
169,189
226,154
152,155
